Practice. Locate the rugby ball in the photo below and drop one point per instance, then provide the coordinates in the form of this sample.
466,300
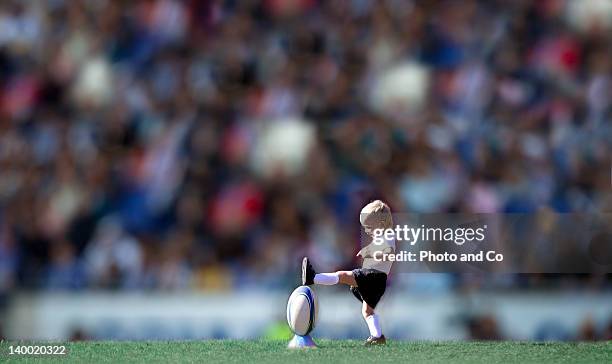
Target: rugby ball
302,310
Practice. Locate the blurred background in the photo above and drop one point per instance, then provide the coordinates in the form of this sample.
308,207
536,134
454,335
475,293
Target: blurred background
164,164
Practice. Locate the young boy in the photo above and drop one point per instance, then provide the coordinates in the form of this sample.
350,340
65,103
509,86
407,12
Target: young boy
369,282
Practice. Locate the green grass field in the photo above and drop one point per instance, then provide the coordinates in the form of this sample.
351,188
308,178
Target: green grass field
330,351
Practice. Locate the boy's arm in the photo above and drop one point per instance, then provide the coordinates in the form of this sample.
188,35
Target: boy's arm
369,250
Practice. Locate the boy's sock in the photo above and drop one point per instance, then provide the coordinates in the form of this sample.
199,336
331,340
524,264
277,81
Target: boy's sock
328,279
374,325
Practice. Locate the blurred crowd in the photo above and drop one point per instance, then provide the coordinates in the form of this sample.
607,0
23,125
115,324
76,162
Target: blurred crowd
207,145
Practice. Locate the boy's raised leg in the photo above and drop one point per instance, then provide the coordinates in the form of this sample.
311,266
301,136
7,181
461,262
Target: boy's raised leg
309,276
308,273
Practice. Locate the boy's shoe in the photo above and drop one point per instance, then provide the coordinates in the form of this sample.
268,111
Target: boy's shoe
372,341
308,273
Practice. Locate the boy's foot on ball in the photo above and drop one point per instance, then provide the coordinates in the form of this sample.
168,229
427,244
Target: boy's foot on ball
308,272
371,341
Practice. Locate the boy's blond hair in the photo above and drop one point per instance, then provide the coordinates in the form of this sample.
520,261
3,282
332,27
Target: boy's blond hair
376,215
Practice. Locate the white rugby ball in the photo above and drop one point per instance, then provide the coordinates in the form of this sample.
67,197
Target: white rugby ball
302,310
